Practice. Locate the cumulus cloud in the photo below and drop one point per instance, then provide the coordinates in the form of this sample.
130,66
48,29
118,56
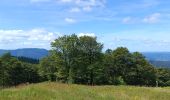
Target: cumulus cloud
132,20
74,6
84,2
127,20
84,5
35,1
70,20
135,44
87,8
76,9
152,18
66,0
27,38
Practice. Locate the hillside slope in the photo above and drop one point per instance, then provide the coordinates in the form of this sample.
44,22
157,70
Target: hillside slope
165,64
157,56
56,91
27,52
159,59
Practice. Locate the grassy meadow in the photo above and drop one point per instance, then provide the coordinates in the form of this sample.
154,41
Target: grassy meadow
57,91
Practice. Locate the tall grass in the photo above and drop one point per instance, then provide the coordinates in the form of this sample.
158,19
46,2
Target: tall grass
57,91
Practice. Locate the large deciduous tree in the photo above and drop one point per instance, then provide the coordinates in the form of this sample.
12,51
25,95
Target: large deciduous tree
91,52
77,58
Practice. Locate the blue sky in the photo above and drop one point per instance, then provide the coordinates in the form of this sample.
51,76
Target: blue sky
140,25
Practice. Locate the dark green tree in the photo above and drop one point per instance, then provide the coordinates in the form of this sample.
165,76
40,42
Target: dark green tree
48,68
91,51
141,72
117,63
66,50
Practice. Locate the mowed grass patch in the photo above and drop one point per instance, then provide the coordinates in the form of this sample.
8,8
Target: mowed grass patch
57,91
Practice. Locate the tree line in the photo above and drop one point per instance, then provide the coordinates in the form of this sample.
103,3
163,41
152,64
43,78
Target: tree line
81,60
14,72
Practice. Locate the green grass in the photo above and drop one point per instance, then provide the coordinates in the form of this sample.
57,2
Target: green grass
57,91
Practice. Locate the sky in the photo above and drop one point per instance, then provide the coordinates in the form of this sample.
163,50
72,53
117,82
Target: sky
139,25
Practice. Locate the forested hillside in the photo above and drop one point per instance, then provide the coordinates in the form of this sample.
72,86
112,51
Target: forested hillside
164,64
34,53
158,59
157,56
80,60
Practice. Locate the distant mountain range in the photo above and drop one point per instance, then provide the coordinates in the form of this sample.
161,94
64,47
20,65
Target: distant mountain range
161,63
27,52
157,56
159,59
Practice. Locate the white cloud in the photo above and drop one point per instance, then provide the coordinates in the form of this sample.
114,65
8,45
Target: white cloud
85,5
87,8
70,20
66,0
131,20
138,43
26,38
86,34
137,5
127,20
152,18
35,1
76,9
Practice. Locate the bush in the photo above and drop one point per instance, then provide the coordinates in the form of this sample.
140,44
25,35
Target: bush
119,81
168,83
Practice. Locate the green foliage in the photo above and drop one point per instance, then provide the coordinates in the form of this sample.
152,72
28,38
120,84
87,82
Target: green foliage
121,62
3,74
119,81
163,77
141,72
14,72
76,59
80,60
132,67
168,83
48,68
28,60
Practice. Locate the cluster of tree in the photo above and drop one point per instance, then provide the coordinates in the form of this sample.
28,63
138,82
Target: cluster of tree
80,60
14,72
163,76
28,60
